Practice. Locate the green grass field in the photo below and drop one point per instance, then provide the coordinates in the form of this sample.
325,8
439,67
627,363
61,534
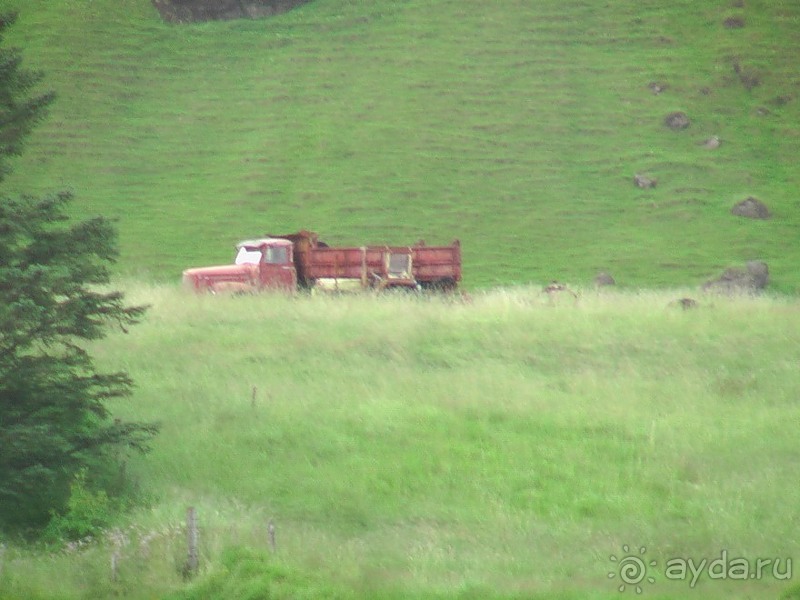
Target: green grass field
515,127
502,447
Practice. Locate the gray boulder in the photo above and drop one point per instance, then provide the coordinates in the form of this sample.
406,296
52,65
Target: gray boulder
677,120
753,278
759,273
751,208
604,279
644,182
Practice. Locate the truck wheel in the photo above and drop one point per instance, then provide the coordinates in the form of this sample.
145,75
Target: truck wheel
444,285
401,289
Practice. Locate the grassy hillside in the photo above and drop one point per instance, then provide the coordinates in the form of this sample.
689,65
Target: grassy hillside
419,448
514,126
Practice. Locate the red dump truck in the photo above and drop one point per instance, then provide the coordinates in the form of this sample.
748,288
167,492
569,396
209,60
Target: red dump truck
300,260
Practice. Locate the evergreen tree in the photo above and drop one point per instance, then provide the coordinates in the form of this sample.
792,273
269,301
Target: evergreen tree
19,112
53,273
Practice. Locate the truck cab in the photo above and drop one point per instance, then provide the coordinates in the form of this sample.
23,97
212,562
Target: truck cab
260,264
275,260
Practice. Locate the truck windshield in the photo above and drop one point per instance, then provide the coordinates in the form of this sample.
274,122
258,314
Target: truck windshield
248,256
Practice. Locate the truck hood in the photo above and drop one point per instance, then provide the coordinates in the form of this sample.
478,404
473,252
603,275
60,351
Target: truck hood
221,273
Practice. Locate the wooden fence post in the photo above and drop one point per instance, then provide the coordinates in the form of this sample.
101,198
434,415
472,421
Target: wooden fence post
271,534
192,561
115,556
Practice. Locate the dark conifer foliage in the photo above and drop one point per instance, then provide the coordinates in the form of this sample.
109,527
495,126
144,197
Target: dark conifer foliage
54,295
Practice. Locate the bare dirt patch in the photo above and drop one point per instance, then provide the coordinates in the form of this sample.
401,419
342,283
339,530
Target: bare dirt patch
734,22
190,11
